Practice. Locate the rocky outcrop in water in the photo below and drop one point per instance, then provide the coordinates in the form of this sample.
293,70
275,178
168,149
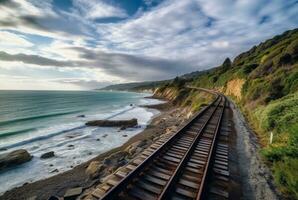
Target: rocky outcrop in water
14,158
48,155
114,123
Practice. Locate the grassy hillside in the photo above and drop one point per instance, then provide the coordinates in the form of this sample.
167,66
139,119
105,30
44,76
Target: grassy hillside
176,91
149,85
264,83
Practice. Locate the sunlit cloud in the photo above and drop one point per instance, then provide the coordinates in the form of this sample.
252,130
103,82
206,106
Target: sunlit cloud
94,9
98,42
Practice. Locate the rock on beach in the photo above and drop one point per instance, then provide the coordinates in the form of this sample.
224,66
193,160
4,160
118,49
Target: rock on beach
94,169
13,158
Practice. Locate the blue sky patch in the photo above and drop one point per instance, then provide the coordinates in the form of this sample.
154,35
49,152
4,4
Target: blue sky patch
116,41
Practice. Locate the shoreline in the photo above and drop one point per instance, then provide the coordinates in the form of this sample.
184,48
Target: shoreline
76,177
72,147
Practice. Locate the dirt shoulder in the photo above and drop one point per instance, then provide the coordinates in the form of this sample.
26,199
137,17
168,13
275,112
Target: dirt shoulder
256,178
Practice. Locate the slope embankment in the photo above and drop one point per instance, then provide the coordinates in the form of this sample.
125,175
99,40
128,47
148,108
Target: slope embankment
263,82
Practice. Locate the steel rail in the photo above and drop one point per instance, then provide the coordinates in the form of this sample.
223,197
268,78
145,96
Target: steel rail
167,191
208,165
114,192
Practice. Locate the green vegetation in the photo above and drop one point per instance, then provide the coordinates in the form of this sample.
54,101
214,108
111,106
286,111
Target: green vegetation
280,115
285,163
180,95
264,83
269,96
136,86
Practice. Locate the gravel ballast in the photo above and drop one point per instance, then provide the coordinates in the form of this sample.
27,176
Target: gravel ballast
256,178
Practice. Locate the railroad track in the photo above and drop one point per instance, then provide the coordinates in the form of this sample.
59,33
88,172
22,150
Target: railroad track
181,166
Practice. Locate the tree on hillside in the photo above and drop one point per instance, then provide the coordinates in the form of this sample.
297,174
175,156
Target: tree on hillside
179,82
226,65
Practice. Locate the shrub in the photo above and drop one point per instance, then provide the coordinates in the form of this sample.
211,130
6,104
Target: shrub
227,64
286,176
284,161
179,82
292,49
291,82
264,58
214,79
281,114
275,90
249,68
285,59
181,96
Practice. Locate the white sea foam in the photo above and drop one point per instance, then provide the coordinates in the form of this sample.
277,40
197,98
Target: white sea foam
73,147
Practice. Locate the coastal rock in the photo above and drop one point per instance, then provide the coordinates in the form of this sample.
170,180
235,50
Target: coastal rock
48,155
51,198
114,123
115,158
94,169
171,129
3,149
73,193
73,135
14,158
81,116
135,147
54,171
34,198
26,183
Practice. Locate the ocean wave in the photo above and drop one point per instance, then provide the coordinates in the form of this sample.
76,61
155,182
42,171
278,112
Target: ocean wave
37,117
121,112
65,130
7,134
41,137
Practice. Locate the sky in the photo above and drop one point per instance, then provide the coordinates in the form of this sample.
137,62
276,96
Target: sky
88,44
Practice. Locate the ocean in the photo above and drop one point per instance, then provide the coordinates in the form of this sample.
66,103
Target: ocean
43,121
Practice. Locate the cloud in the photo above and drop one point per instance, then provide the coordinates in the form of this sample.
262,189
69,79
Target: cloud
115,64
34,59
8,39
168,39
83,83
220,44
140,68
96,9
192,29
40,18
